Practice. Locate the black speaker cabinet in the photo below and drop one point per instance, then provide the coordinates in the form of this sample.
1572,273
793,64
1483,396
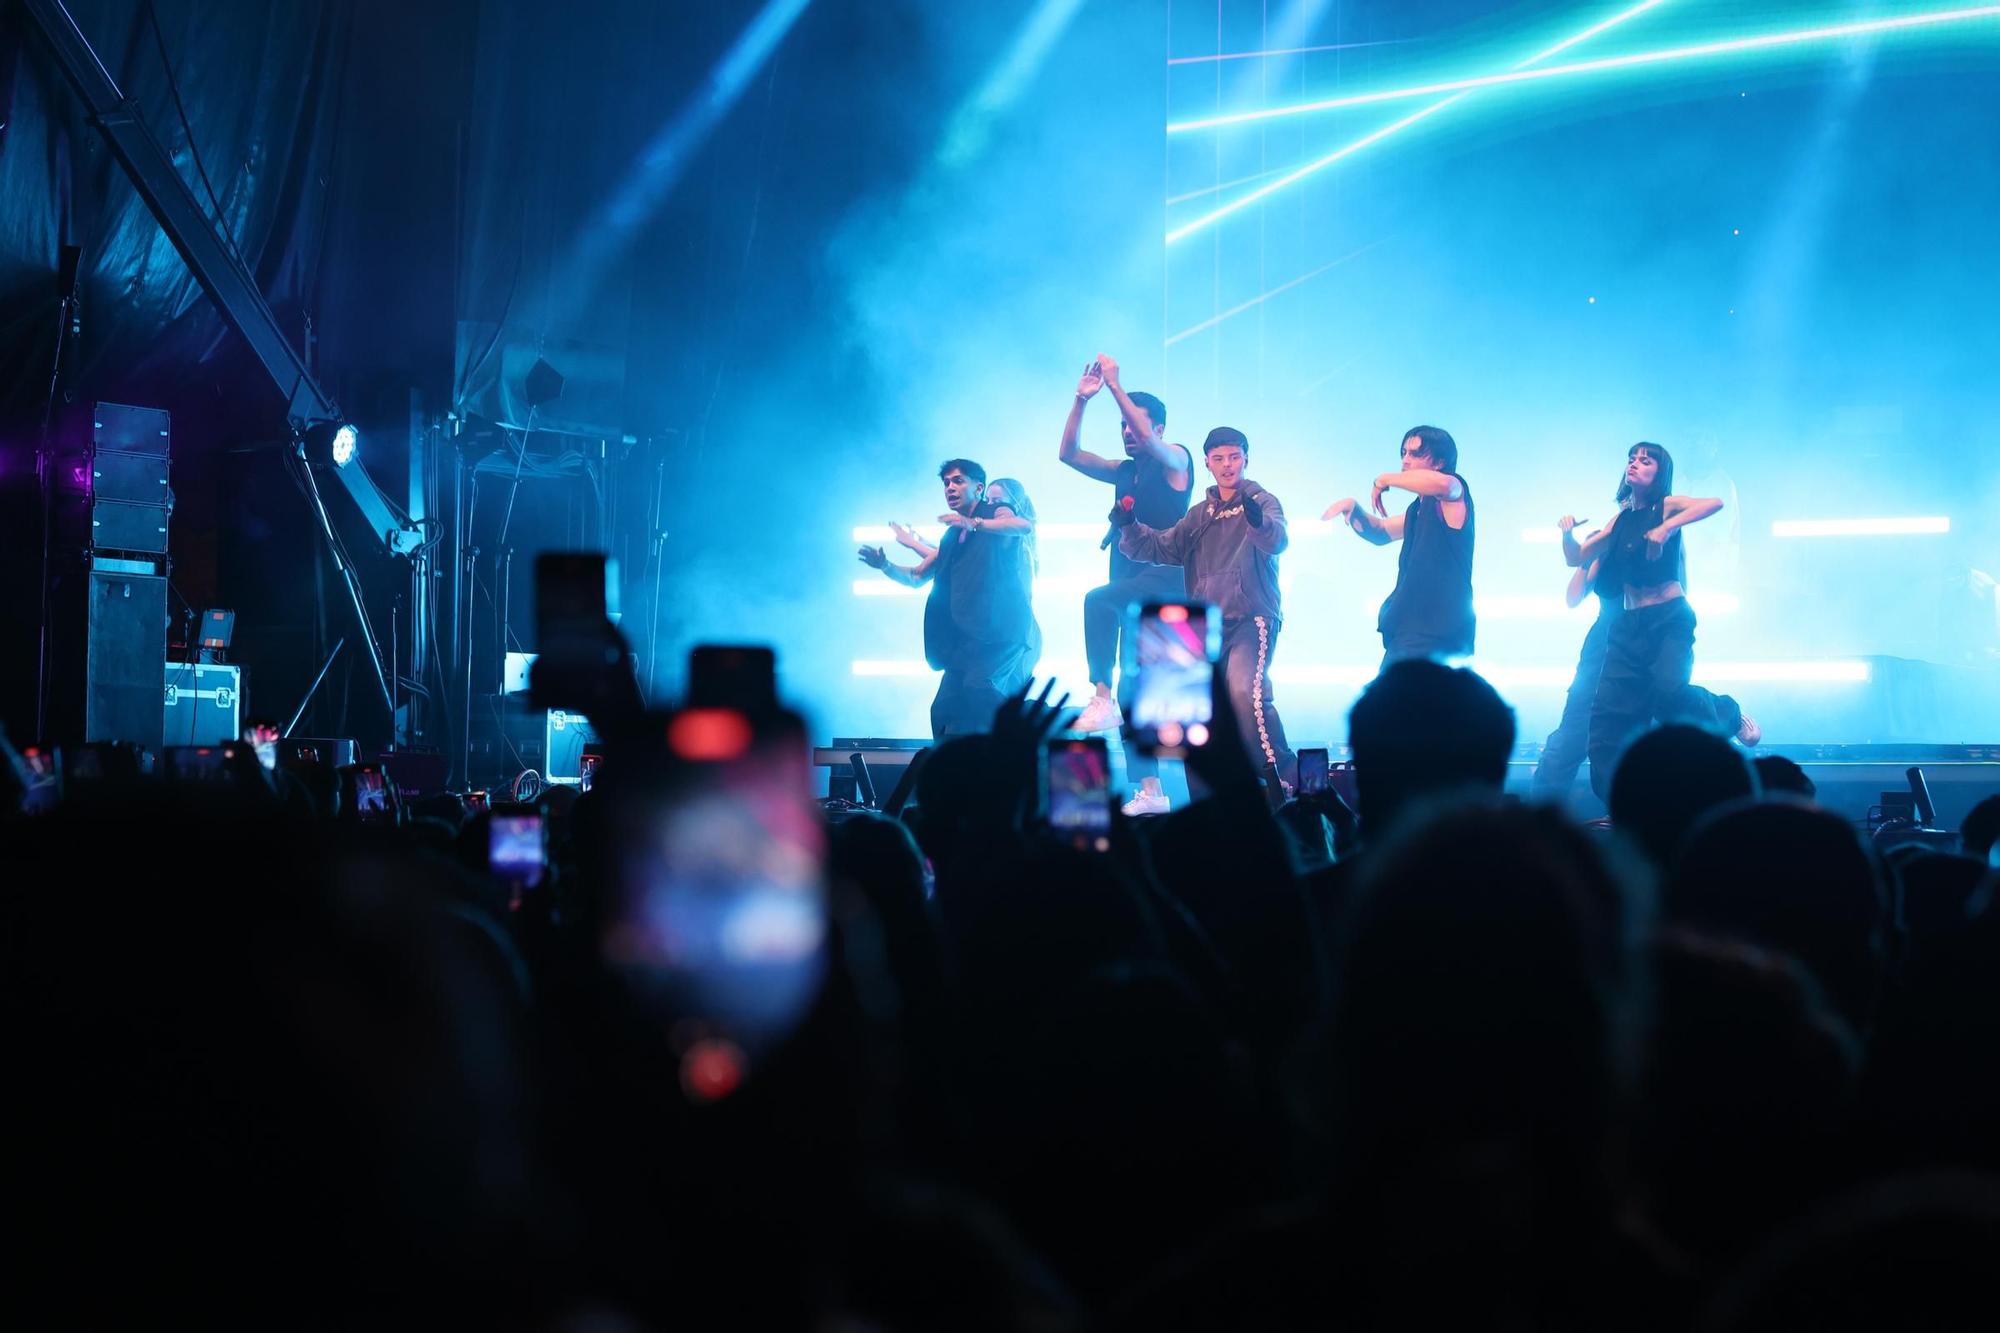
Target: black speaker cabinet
108,627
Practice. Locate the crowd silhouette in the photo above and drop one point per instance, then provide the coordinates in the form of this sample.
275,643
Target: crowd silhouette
1426,1056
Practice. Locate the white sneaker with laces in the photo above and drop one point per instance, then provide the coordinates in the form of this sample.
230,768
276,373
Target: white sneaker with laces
1146,802
1100,714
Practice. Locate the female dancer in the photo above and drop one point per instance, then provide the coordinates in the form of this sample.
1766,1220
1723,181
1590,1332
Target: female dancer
1649,652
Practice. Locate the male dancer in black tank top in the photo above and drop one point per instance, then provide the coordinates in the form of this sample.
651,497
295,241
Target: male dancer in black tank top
1159,477
1649,654
1430,612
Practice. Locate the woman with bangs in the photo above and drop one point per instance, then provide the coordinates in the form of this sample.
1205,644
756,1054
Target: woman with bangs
1649,656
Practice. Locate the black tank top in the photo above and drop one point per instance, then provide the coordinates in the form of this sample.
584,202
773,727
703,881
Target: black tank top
1154,502
982,592
1433,596
1626,563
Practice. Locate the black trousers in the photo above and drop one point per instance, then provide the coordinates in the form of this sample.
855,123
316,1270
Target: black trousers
1564,750
978,678
1105,644
1648,660
1247,648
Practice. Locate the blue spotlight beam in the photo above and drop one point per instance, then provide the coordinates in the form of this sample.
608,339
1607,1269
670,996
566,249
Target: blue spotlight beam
1293,177
658,169
1733,46
1262,297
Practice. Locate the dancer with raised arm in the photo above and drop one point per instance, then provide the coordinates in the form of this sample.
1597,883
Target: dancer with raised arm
1158,477
979,624
1429,614
1649,653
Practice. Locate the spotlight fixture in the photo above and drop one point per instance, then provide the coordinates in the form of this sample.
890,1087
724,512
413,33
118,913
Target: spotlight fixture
330,443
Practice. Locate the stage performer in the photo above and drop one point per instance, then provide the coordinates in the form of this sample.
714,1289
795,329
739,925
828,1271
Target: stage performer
1563,751
1159,479
1229,546
979,624
1649,654
1429,614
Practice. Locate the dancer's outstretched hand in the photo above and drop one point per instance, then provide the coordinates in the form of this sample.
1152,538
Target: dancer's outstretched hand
1375,497
1341,509
905,536
873,557
1107,369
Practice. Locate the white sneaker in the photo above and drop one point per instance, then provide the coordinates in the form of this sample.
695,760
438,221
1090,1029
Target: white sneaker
1100,714
1148,803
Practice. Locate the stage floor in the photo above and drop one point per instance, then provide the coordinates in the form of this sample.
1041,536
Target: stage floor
1852,779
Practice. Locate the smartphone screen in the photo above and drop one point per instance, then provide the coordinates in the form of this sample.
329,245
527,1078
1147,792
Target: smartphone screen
586,770
517,845
1077,772
1171,708
718,915
1312,771
42,773
371,794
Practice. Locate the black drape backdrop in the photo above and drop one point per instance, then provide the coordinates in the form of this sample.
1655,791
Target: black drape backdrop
418,189
328,132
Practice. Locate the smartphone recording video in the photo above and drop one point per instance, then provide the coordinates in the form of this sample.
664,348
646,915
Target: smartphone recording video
368,792
1173,704
517,849
719,917
41,775
1312,771
1077,776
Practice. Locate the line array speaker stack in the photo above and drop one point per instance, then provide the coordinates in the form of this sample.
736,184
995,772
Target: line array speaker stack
108,578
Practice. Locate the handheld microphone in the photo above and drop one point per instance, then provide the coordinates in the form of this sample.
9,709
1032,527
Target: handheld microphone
1111,534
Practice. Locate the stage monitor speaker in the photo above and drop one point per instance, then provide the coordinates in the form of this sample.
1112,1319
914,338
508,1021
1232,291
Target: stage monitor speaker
108,638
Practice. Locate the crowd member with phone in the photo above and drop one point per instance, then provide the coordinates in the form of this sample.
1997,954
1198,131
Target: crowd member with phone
979,624
1228,546
1158,477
